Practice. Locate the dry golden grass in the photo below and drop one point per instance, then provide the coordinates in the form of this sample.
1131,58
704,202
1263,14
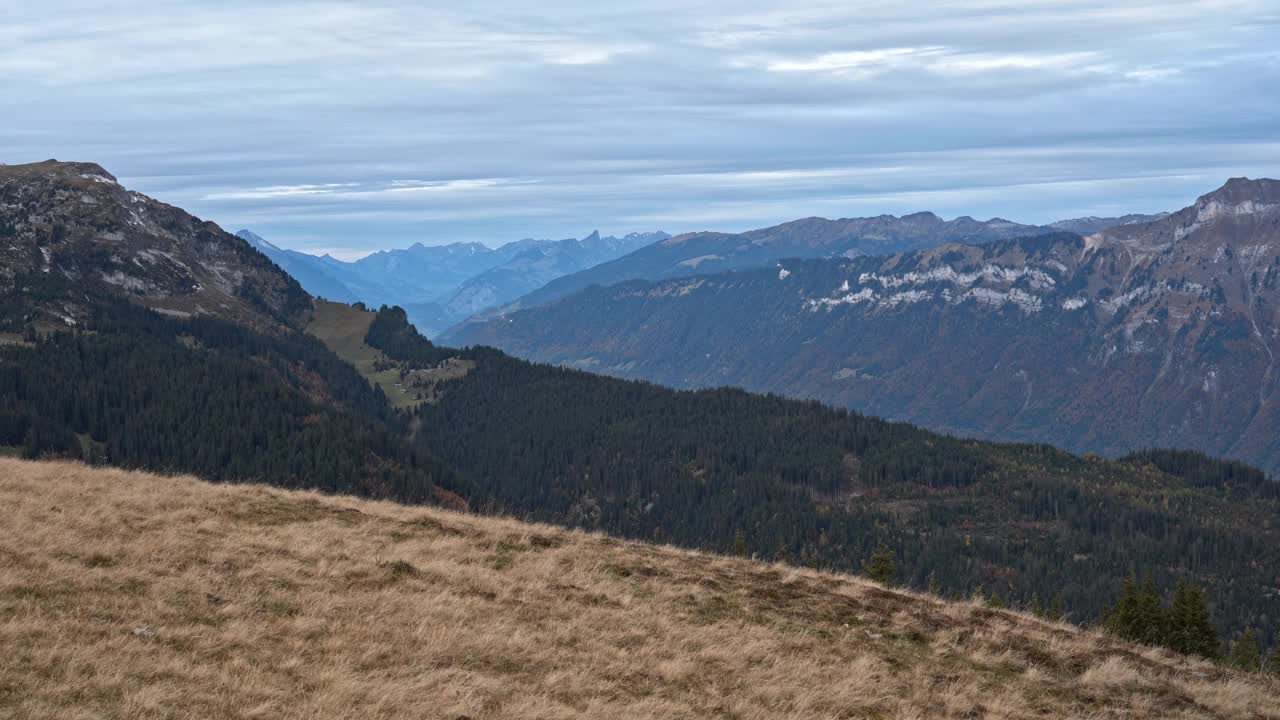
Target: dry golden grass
127,595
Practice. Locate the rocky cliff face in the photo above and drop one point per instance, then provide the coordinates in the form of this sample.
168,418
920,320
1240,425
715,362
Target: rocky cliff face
1154,334
71,233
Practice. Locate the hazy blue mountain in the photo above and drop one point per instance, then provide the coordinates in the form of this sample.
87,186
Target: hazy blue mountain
444,284
535,265
1093,224
320,276
1153,334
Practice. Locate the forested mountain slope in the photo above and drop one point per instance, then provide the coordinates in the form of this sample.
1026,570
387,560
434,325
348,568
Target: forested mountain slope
132,595
1151,334
239,392
825,486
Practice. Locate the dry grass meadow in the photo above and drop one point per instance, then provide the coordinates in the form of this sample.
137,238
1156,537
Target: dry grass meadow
128,595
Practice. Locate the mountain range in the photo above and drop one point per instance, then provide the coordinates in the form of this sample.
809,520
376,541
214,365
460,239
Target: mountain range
441,285
133,334
700,253
1156,333
1092,224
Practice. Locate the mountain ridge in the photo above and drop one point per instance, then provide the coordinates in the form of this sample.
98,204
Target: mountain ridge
1092,224
71,229
704,252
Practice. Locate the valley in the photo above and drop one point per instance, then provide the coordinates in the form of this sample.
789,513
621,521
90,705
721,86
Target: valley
242,391
953,391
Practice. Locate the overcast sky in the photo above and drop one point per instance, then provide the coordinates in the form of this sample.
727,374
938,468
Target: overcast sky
351,127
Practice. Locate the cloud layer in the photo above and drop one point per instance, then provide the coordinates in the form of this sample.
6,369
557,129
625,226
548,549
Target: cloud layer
359,126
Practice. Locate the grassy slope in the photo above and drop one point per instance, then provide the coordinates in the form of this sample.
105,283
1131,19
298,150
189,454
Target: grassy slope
342,328
131,595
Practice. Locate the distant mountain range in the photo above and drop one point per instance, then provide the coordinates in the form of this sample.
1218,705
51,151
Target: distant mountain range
1150,333
1093,224
443,284
702,253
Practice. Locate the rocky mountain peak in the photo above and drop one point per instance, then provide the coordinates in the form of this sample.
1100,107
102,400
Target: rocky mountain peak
921,217
75,236
1238,215
56,168
1242,190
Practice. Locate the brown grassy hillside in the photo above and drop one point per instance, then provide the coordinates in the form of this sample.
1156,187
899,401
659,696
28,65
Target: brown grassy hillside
131,595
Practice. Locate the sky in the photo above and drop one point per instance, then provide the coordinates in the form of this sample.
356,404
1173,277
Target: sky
352,127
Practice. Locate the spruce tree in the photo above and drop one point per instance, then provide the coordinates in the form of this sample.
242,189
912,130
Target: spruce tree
1244,652
1151,622
880,568
1123,620
1204,637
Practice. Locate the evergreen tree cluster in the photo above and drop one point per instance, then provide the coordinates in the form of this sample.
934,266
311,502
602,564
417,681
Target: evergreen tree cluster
1200,470
391,333
1183,625
207,397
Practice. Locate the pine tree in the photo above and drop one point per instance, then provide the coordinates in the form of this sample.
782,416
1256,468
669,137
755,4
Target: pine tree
1244,652
1191,628
1180,613
880,568
1122,620
1151,622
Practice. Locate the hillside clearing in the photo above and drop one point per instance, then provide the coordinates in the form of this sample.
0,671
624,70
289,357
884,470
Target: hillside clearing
342,329
132,595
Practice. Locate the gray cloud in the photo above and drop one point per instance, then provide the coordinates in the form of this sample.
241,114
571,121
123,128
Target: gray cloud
359,126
